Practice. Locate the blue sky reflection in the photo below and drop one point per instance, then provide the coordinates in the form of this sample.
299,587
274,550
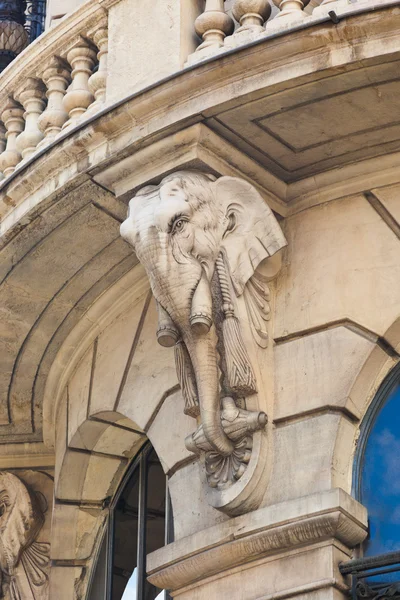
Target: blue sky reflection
380,484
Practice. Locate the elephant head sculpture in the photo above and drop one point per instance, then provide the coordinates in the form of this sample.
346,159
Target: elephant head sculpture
179,229
21,519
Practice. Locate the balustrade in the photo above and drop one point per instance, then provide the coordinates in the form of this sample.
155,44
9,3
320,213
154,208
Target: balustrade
66,81
217,28
53,94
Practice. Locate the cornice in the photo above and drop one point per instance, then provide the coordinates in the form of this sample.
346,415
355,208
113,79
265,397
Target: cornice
268,531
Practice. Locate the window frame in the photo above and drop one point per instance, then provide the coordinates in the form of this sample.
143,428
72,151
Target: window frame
363,568
387,386
140,461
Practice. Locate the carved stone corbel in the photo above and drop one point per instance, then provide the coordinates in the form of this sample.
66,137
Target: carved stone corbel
201,241
24,561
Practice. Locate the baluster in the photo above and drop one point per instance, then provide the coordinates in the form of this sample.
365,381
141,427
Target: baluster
213,25
251,14
31,96
57,77
82,59
98,81
13,119
292,11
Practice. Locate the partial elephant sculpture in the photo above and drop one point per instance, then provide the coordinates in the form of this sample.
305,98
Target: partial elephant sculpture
24,562
201,240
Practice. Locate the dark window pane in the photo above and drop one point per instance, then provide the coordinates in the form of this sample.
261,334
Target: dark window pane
137,526
125,540
380,480
155,523
98,588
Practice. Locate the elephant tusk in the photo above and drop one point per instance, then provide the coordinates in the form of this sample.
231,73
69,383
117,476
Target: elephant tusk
201,312
167,333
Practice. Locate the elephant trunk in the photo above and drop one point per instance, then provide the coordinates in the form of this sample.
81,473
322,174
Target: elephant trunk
190,317
202,352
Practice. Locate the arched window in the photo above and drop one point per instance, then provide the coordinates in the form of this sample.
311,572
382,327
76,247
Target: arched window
378,468
376,484
140,522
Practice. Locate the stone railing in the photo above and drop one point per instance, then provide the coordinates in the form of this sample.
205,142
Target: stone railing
56,83
225,25
60,80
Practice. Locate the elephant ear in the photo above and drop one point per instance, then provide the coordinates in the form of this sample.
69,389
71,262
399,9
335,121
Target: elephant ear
253,233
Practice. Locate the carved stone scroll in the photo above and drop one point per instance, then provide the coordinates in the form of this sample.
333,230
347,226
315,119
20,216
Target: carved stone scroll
256,295
201,240
239,425
24,561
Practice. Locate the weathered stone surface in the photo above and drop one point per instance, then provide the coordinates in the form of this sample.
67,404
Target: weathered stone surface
75,531
318,286
191,510
389,196
308,119
311,454
150,374
171,449
268,531
324,366
112,353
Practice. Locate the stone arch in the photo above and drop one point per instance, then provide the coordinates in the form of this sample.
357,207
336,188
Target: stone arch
90,467
111,388
383,358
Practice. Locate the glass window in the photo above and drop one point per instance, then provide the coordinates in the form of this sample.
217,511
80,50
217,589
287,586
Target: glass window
380,477
376,574
139,523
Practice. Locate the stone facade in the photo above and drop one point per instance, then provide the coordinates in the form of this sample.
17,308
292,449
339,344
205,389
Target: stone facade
260,166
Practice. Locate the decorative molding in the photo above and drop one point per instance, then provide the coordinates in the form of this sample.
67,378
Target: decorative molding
24,561
271,531
238,425
257,296
200,240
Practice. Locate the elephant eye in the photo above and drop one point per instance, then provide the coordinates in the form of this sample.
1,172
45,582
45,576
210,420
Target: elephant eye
178,224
